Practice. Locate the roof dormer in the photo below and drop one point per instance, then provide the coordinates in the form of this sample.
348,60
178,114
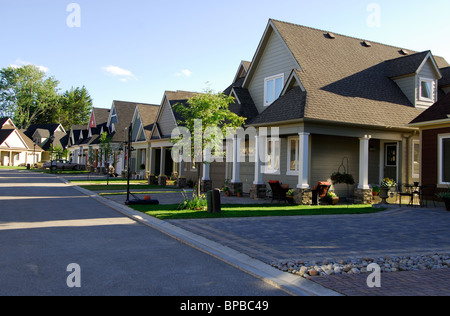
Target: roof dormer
417,76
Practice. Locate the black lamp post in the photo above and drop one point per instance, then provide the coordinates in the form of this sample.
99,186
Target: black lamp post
51,139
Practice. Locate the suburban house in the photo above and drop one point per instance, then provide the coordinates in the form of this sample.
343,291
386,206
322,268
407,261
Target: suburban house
141,126
17,149
48,137
84,141
434,125
340,104
160,156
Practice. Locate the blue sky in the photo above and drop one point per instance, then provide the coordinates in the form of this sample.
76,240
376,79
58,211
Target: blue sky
135,50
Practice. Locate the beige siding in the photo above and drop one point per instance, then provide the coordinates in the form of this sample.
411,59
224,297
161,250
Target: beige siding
275,60
167,120
426,72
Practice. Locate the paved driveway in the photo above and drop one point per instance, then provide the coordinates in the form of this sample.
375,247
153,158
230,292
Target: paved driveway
46,225
393,232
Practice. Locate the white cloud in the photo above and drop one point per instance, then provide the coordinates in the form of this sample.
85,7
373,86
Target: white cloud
125,75
19,63
184,72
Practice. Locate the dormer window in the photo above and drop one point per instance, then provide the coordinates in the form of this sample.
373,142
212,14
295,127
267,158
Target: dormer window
272,88
426,90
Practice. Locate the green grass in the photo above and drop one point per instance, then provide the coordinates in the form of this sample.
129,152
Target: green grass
254,210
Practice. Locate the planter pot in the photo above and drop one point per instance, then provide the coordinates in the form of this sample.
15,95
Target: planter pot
334,201
384,195
239,194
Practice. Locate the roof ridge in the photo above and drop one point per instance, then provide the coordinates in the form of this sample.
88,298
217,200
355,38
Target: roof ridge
347,36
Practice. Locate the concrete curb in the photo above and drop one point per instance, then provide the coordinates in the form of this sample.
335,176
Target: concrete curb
287,282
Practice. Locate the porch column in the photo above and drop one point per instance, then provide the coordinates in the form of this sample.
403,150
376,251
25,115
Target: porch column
162,165
258,174
303,168
364,162
236,149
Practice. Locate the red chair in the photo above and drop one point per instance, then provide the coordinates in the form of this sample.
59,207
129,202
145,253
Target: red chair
320,192
278,192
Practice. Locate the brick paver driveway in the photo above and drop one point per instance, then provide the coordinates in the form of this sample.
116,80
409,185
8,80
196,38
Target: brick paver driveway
392,232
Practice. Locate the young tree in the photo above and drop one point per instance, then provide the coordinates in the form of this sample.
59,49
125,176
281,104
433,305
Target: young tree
25,94
203,113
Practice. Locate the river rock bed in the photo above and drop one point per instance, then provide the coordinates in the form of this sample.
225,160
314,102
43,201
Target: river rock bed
359,265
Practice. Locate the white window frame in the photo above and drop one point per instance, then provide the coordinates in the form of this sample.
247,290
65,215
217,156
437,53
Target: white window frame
440,160
290,172
415,163
274,78
432,92
272,141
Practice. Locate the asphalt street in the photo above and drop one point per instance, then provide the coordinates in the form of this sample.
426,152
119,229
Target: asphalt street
55,240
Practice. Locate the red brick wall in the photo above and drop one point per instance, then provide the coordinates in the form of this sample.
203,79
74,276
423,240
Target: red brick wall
430,154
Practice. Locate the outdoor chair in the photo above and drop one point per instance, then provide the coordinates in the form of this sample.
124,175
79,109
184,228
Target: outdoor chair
427,192
278,192
320,192
409,191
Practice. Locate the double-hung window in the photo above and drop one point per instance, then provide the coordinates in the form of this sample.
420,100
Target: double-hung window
444,159
272,88
273,155
292,156
426,88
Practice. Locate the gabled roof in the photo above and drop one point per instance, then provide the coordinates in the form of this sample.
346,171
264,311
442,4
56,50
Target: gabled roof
147,113
51,128
344,78
7,128
438,112
445,80
410,64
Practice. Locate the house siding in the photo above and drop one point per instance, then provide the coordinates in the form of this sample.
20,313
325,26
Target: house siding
430,160
275,60
427,72
167,121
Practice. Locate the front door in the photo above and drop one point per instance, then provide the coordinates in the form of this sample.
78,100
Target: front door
390,161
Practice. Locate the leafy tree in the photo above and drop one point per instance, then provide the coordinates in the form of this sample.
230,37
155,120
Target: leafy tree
204,112
73,108
28,97
25,94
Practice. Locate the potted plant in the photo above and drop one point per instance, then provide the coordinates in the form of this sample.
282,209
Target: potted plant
226,190
375,190
446,197
238,192
345,178
332,198
162,179
385,186
290,193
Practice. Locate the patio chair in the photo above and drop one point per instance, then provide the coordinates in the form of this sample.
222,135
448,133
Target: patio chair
320,192
278,192
428,192
408,190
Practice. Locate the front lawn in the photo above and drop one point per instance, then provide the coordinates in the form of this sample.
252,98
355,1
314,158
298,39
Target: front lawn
254,210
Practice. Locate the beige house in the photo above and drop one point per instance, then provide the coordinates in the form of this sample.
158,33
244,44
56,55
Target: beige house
340,104
16,149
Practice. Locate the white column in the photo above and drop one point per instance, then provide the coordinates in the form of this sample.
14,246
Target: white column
258,174
162,164
303,168
364,162
236,154
206,165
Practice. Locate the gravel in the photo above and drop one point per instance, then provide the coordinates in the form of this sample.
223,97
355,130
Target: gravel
359,265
